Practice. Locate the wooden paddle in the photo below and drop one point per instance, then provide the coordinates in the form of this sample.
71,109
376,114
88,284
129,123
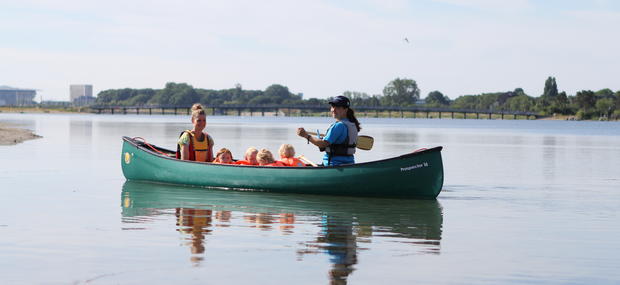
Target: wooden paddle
306,160
363,142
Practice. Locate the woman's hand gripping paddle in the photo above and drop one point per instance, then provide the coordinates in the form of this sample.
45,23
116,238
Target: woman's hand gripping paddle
363,142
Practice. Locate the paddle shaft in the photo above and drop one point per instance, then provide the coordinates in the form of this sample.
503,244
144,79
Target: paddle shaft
363,142
307,160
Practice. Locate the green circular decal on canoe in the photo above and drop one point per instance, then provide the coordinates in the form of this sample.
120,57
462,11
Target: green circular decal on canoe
127,158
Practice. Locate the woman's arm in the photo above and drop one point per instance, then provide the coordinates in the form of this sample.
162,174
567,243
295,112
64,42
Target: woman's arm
210,157
315,141
184,152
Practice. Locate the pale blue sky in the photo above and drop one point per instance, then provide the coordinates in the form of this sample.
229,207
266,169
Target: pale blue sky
320,48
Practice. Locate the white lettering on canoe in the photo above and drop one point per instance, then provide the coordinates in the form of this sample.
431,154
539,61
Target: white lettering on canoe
409,168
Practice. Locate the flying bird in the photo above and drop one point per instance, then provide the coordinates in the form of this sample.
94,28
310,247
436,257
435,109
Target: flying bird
406,40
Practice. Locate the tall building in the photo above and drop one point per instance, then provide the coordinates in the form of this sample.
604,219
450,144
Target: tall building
79,90
10,96
81,94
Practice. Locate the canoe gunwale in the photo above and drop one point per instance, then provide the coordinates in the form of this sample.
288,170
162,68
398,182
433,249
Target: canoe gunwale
142,147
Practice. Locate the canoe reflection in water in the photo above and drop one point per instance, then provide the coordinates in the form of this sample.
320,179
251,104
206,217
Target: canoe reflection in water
344,225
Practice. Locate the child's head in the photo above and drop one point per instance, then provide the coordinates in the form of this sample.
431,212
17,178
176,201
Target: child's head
250,155
264,156
224,156
287,151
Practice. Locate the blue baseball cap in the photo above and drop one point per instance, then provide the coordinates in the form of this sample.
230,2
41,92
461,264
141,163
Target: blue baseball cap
340,101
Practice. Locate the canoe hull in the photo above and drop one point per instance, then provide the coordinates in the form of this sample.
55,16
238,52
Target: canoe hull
418,175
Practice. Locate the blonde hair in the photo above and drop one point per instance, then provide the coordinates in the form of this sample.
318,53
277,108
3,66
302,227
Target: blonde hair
287,151
249,152
264,156
197,110
221,152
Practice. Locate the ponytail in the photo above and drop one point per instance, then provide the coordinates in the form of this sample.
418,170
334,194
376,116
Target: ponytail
351,117
197,110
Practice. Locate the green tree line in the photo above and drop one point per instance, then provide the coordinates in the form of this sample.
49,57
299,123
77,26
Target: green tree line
403,92
182,94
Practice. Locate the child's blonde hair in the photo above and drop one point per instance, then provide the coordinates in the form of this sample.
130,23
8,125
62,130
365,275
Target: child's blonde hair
264,156
249,152
287,151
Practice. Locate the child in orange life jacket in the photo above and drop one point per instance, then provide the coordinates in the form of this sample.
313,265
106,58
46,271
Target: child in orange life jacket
250,157
223,156
287,156
265,158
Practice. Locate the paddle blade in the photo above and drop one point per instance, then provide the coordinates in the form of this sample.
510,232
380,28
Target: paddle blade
365,142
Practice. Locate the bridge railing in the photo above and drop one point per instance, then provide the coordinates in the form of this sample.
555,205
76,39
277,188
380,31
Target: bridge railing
319,108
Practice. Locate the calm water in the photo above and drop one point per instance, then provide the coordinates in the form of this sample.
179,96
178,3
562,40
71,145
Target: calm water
524,202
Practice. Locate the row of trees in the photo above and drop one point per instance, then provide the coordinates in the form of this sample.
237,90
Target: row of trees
403,92
399,92
585,104
182,94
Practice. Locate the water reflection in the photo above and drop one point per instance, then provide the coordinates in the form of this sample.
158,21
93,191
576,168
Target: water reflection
196,223
338,227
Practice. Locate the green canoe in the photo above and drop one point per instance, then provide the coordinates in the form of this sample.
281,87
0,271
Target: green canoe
413,175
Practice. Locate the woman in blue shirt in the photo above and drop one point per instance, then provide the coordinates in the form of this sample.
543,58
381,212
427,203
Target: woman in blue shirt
339,141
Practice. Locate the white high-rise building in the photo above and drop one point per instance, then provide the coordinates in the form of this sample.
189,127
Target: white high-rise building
79,90
81,94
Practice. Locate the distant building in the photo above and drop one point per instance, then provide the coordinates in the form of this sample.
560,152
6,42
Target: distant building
10,96
84,101
81,94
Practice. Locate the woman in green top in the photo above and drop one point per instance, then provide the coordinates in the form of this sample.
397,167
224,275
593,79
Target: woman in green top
195,144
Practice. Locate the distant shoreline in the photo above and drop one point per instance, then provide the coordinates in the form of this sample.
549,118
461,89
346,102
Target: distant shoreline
432,115
11,135
60,110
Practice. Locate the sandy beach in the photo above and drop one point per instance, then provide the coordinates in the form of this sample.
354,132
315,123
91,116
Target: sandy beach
10,135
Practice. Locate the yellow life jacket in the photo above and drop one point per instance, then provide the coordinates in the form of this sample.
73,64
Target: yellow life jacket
198,150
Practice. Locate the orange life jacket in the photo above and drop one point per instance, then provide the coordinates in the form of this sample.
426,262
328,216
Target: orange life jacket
292,161
275,163
203,149
244,162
